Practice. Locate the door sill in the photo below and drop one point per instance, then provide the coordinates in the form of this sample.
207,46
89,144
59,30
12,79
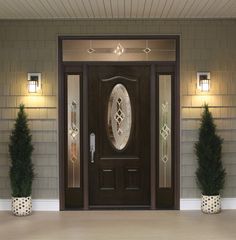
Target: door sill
119,207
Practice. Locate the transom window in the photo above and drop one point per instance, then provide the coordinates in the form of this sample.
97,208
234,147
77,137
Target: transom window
119,50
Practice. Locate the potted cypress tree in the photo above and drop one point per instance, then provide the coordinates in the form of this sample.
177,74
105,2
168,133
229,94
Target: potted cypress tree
210,172
21,168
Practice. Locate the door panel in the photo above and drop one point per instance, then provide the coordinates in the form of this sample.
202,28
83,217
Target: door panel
120,172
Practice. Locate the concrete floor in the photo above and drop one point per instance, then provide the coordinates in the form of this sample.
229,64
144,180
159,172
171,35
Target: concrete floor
119,225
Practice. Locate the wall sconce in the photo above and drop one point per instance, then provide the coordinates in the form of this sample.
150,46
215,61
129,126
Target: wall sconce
203,81
34,82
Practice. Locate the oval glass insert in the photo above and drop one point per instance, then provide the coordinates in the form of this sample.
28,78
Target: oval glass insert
119,116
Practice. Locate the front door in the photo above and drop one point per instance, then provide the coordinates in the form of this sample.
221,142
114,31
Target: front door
119,140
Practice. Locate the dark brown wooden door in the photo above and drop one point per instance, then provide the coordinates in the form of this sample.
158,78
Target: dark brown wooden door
119,117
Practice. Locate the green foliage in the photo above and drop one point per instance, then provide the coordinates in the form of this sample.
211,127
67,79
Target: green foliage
20,149
210,172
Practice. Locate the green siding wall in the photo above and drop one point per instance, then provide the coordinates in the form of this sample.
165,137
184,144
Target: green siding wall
31,46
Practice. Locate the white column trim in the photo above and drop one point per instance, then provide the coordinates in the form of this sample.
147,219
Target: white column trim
195,203
37,205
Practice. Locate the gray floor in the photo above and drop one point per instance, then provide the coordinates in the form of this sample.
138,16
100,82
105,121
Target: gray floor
119,225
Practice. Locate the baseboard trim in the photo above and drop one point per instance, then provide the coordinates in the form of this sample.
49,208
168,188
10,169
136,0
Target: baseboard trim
195,203
37,204
53,204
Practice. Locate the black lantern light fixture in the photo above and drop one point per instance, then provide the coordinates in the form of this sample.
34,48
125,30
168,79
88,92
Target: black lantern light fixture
203,81
34,82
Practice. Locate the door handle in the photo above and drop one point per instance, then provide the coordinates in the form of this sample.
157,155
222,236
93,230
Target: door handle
92,147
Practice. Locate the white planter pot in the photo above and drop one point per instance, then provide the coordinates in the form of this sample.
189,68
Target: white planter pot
21,206
211,204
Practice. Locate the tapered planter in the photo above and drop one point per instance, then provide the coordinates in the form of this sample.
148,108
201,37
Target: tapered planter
21,206
211,204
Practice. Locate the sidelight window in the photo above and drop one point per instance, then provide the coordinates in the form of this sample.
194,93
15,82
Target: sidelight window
165,131
73,118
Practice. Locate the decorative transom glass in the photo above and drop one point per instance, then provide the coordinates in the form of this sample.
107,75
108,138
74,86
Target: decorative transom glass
119,50
119,116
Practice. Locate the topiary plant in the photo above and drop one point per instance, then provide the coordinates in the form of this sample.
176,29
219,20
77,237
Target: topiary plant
210,172
20,149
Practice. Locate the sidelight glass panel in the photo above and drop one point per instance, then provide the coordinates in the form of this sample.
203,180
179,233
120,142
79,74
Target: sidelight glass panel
165,131
119,117
73,117
119,50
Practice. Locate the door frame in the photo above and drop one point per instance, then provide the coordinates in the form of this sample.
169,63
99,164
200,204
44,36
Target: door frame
82,66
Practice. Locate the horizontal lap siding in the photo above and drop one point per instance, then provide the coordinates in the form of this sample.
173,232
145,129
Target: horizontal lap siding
27,49
208,47
31,46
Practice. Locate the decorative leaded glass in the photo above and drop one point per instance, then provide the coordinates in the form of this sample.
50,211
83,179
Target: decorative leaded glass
73,116
119,116
119,50
165,131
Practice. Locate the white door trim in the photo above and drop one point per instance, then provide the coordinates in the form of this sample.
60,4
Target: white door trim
38,204
195,203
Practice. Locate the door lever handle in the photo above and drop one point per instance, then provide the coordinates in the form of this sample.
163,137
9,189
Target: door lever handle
92,147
